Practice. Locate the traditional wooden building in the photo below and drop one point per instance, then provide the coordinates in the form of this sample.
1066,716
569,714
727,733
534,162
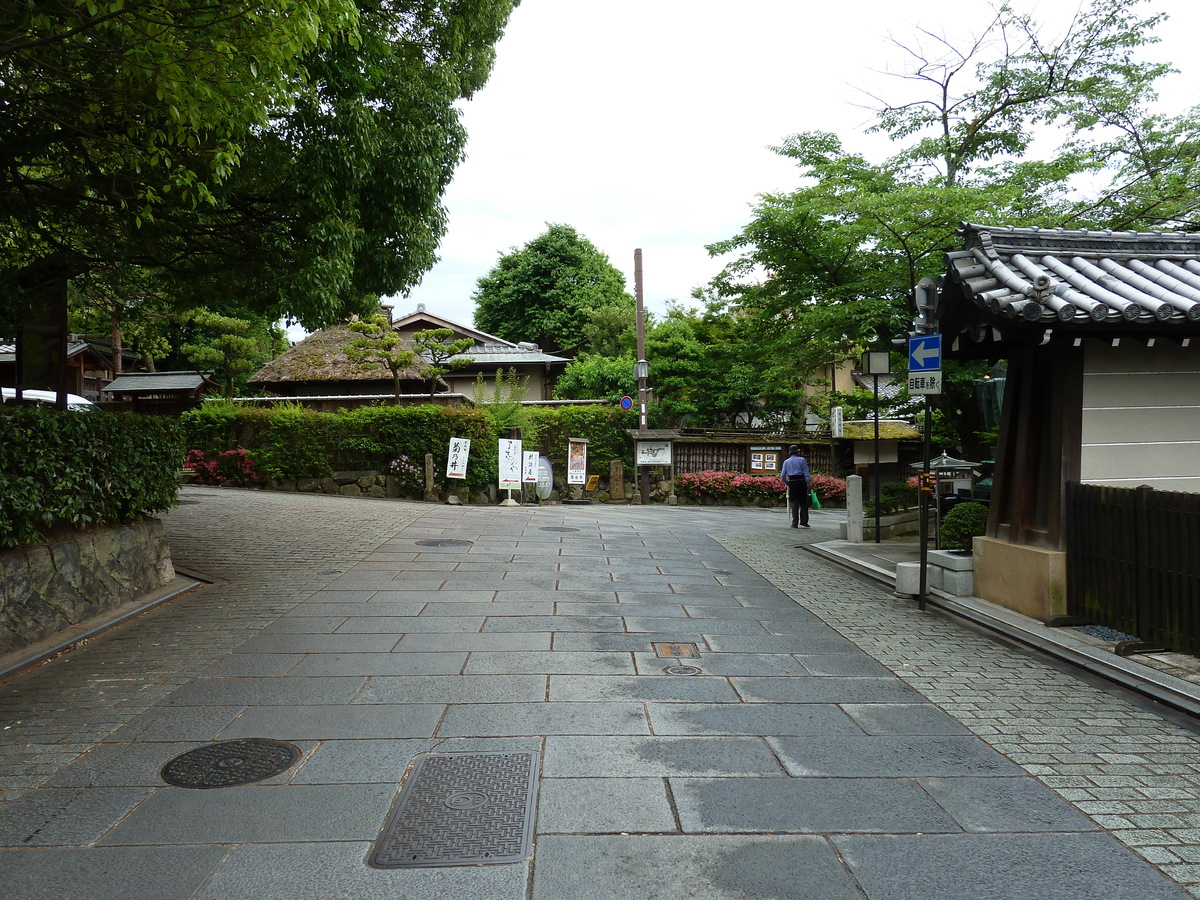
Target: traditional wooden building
1101,331
317,371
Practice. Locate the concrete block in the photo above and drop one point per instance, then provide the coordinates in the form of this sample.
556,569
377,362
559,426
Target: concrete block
958,584
948,559
908,578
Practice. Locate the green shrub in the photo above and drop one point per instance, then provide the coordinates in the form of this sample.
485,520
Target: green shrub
67,469
963,523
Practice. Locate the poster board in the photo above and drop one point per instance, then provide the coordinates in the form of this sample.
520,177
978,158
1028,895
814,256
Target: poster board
577,460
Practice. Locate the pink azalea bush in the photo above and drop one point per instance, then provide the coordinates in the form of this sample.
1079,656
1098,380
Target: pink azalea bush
410,476
829,487
713,485
233,467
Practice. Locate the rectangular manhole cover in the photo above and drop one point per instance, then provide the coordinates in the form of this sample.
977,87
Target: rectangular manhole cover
461,809
675,651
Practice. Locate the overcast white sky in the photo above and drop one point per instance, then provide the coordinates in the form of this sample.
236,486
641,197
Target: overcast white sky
647,123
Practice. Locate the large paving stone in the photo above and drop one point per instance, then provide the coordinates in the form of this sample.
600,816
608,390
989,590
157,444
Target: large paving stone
750,719
316,664
824,689
328,871
265,691
642,757
320,723
453,689
603,806
1002,867
641,687
550,662
500,720
726,867
131,873
70,816
1014,805
888,756
808,805
256,813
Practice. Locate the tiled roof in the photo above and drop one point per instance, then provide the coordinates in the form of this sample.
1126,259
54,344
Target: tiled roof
146,382
493,355
1093,279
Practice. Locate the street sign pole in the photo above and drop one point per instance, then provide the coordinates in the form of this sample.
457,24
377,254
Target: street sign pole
925,357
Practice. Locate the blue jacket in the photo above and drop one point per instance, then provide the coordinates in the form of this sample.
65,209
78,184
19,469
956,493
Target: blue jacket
794,465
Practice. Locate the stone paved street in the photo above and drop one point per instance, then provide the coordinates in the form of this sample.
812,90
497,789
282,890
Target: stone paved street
838,743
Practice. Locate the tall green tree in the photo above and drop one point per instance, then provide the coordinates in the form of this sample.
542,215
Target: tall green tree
549,290
831,266
233,348
291,153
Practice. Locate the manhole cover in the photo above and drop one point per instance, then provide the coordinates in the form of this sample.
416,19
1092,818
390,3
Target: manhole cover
682,670
556,528
230,763
444,542
461,809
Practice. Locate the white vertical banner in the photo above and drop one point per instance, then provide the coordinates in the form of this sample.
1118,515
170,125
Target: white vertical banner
529,468
456,462
510,465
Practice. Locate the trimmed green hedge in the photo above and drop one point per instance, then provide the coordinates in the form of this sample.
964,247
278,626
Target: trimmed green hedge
70,469
289,441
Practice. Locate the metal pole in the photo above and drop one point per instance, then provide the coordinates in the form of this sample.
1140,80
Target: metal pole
643,474
924,507
876,471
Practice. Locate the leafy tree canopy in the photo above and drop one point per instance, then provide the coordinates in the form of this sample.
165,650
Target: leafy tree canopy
831,266
380,346
550,291
439,355
291,153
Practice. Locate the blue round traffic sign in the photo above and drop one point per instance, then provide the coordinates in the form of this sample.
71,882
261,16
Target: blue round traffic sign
626,403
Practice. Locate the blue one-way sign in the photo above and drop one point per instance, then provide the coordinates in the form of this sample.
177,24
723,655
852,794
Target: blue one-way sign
925,353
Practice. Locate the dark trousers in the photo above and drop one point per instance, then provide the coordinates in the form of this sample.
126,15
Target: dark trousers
798,499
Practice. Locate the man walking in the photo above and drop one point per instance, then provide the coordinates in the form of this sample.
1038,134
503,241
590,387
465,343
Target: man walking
796,476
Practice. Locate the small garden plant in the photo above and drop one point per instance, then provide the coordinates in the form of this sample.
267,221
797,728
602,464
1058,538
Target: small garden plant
962,525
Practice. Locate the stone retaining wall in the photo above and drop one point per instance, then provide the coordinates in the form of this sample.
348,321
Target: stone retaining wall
47,588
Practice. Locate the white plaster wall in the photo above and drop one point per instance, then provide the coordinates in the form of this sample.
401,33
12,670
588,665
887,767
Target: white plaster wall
1141,415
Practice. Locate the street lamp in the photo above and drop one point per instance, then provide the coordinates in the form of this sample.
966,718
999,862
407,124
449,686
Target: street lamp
876,363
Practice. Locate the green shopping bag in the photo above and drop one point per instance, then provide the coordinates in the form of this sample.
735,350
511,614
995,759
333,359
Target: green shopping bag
816,501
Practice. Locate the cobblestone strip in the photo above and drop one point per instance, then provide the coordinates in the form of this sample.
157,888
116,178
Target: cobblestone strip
1137,775
269,551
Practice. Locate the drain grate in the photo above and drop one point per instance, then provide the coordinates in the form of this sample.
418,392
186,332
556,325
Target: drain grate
461,809
444,542
556,528
667,650
230,763
682,670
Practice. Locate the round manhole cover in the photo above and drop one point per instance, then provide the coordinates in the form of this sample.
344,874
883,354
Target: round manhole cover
557,528
444,542
682,670
230,763
466,800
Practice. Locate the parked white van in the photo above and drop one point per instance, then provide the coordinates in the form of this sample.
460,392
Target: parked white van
75,403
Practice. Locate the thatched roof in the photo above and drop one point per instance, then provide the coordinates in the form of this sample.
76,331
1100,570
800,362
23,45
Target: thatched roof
889,430
320,357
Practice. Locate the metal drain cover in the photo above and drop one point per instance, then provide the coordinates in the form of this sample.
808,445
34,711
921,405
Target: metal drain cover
682,670
556,528
461,809
444,542
230,763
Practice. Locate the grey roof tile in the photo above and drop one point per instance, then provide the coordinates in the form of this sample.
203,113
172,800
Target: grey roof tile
1057,277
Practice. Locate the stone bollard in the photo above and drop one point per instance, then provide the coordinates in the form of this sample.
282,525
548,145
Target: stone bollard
616,480
854,509
431,495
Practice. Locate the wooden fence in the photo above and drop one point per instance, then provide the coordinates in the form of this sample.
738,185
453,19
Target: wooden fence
1133,562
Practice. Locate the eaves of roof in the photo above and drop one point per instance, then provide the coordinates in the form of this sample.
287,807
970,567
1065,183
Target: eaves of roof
1080,280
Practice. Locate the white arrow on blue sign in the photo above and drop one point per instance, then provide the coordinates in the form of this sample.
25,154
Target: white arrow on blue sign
925,353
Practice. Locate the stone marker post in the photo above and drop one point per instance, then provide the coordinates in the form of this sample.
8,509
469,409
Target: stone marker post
430,493
854,509
616,481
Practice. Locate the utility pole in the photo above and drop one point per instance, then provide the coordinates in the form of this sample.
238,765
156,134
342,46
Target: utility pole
642,371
